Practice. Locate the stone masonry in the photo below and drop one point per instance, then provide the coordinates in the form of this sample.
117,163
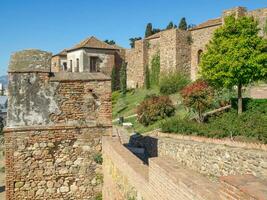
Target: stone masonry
180,50
54,129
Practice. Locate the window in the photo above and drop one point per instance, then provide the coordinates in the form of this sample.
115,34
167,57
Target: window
70,65
93,64
77,65
199,53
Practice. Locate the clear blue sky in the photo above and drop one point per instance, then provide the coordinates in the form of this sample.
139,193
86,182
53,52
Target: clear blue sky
53,25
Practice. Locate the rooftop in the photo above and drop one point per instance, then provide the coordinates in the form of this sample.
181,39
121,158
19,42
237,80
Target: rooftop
93,43
211,22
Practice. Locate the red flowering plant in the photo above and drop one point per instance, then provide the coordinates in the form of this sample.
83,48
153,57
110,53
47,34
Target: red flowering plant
154,108
198,96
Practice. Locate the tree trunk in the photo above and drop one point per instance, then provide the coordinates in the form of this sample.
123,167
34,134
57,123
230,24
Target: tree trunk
240,103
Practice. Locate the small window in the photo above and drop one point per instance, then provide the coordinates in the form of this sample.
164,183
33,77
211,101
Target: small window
199,53
77,65
70,65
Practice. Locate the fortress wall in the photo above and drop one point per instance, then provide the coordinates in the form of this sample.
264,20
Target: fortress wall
135,65
54,129
261,16
200,38
168,42
153,48
183,51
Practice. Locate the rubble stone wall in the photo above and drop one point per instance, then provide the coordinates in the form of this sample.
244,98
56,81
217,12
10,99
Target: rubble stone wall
54,129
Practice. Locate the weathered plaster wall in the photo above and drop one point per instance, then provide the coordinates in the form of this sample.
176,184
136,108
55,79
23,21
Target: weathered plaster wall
54,130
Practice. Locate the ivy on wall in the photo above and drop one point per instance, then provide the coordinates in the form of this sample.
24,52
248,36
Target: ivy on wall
155,70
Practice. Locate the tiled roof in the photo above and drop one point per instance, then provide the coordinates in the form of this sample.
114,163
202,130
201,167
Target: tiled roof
62,53
211,22
93,43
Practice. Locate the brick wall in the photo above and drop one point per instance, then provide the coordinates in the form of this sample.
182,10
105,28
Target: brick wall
127,177
54,129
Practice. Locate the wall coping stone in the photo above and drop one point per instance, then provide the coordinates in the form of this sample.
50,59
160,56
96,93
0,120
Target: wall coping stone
47,128
248,184
34,60
257,146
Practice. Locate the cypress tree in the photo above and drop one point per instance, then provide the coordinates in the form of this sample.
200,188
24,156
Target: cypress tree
170,26
113,80
183,24
123,78
147,77
149,30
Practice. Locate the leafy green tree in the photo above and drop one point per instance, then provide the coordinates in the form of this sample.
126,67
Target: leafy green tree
170,26
123,78
132,41
114,86
155,70
111,42
236,55
147,77
149,30
183,24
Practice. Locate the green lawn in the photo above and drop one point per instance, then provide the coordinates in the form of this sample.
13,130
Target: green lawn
126,106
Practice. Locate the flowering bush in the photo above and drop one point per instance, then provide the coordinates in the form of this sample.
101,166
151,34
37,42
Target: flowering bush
154,108
198,96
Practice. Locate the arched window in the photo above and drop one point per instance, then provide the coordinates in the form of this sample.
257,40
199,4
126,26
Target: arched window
199,53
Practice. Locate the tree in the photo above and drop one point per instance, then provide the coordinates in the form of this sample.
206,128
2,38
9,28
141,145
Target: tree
113,80
199,96
111,42
123,78
132,41
149,30
236,55
170,26
147,77
183,24
155,30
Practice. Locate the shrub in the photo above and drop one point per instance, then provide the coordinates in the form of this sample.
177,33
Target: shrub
251,124
115,97
172,83
154,109
198,96
98,158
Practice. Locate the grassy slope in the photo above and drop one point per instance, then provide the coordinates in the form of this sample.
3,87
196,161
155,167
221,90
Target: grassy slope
126,106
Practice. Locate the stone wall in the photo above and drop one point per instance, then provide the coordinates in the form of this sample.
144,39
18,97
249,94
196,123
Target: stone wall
135,65
54,129
127,177
213,158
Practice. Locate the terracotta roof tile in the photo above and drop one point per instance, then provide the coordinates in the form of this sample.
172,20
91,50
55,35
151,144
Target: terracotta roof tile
93,43
211,22
156,35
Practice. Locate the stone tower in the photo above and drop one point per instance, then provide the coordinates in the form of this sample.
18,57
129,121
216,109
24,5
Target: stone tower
54,128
